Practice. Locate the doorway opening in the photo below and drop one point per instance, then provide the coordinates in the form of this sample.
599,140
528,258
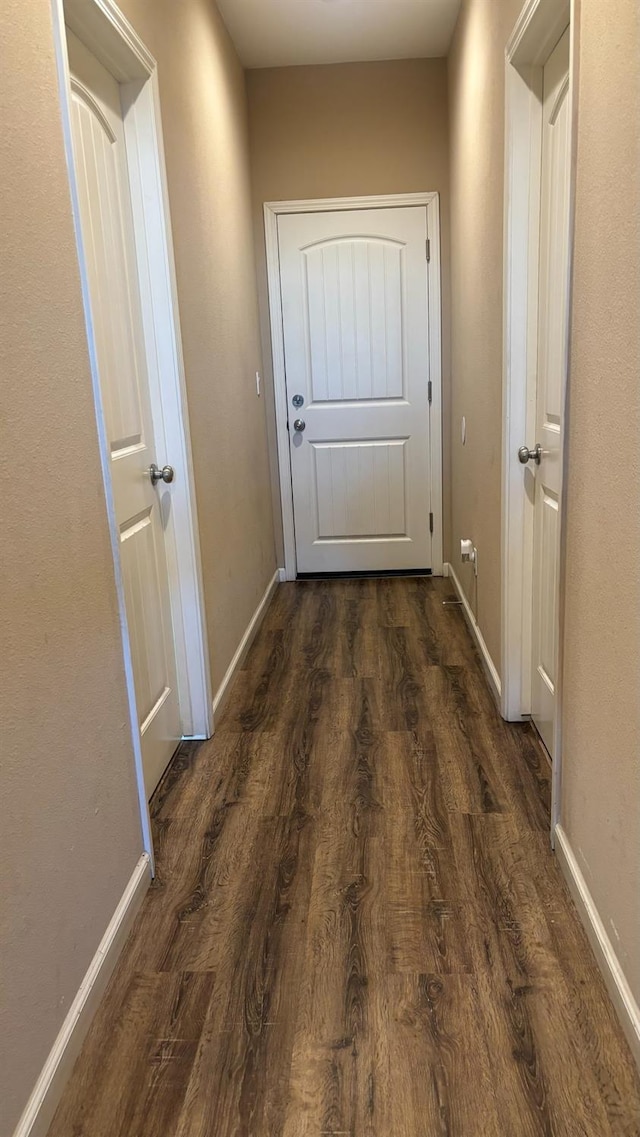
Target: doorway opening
355,311
113,140
539,178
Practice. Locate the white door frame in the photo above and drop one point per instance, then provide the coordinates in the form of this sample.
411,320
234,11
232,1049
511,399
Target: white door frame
536,33
325,205
107,33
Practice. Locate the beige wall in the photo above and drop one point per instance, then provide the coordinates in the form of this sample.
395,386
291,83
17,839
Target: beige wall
601,768
204,115
476,104
601,715
343,131
70,833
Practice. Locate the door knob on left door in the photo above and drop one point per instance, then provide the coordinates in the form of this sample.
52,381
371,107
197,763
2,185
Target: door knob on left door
166,474
299,424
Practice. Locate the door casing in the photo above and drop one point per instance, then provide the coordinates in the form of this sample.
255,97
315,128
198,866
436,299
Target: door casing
536,33
110,37
325,205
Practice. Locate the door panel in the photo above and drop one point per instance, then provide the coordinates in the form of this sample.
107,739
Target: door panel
107,231
354,305
360,489
552,332
356,335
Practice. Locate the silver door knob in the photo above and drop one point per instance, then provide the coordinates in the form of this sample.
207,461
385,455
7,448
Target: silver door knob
166,474
526,455
299,424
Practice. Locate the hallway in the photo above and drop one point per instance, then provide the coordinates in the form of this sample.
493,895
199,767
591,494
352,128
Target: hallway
357,925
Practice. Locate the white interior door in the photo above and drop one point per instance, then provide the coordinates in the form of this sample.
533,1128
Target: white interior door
356,338
107,231
552,345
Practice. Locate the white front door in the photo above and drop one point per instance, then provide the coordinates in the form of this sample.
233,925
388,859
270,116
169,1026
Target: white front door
107,233
356,338
552,346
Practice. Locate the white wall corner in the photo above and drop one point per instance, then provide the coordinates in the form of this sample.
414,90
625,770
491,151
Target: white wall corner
621,994
490,669
46,1094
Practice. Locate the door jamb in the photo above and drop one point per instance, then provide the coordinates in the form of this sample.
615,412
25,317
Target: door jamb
108,34
272,209
536,32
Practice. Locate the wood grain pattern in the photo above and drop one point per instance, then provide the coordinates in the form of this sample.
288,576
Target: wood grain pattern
357,925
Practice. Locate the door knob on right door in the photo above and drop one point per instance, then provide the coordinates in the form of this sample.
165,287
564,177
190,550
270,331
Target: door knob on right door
526,455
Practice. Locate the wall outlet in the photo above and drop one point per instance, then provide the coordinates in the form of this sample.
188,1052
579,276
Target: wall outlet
469,553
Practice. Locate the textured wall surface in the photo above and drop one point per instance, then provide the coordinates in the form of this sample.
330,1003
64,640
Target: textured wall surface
71,835
601,720
348,130
476,104
70,828
204,116
601,714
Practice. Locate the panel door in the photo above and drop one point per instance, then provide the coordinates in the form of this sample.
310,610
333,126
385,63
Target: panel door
107,231
356,337
552,332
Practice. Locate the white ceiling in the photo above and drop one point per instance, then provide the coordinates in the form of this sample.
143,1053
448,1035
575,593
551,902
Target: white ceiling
281,33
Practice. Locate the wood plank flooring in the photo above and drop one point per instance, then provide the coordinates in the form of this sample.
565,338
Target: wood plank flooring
357,927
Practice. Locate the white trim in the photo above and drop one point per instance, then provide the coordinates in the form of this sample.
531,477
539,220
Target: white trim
282,575
522,164
536,33
60,43
574,87
47,1091
490,668
224,690
324,205
621,995
434,280
160,317
328,204
279,389
104,29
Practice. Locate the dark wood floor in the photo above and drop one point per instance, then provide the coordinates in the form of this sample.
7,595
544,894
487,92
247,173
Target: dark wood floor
357,926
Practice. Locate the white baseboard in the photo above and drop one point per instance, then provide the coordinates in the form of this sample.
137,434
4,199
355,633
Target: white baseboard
489,666
224,689
42,1104
282,575
621,995
445,568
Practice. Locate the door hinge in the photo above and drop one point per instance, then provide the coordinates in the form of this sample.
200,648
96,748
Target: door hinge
431,523
428,250
430,391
